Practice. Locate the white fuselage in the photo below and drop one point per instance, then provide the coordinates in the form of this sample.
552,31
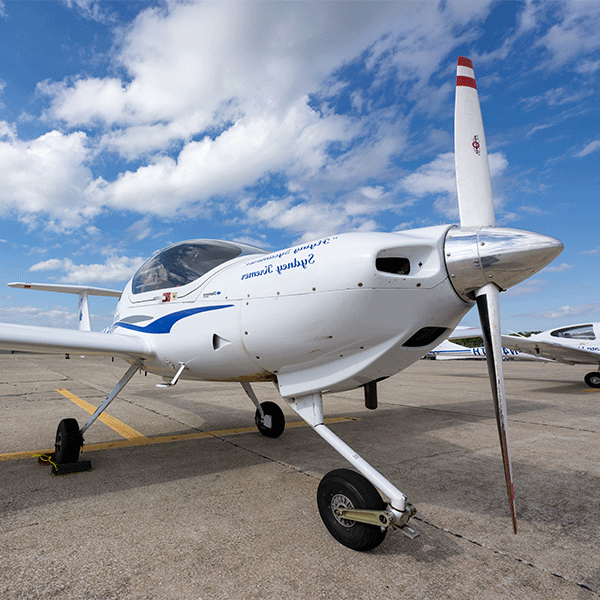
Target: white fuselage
580,337
448,350
317,316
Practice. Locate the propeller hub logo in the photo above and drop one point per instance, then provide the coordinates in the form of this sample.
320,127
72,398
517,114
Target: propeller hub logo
476,145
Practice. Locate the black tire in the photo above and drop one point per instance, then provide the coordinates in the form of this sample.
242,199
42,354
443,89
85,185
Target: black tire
277,420
68,442
348,489
592,379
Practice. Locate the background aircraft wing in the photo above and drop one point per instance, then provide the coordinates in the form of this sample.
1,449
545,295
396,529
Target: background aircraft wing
551,351
462,332
57,341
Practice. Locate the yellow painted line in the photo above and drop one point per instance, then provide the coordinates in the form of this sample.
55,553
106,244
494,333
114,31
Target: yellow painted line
26,454
164,439
114,424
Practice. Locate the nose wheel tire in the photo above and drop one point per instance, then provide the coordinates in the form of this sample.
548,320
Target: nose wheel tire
68,442
593,380
273,423
347,489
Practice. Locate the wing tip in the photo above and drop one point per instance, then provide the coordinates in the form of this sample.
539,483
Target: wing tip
463,61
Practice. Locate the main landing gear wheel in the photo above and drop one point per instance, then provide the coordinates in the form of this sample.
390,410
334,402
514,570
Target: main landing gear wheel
343,488
273,423
68,442
593,380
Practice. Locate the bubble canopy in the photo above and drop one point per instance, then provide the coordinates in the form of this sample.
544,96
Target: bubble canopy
185,262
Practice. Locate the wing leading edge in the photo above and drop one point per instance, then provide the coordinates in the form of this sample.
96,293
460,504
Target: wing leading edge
27,338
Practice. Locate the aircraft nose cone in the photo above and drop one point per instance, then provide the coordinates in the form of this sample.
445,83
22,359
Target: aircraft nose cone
475,257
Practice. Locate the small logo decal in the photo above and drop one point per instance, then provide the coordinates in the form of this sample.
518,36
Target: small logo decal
476,145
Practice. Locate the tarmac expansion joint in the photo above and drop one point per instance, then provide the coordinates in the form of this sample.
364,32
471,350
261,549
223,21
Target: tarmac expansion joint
582,586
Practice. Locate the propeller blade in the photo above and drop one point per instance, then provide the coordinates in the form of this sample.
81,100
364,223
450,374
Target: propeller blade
475,200
476,207
489,314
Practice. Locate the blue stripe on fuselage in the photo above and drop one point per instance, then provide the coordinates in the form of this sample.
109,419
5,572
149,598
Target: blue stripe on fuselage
164,324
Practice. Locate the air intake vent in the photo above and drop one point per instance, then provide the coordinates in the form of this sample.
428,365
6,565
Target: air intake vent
393,264
424,337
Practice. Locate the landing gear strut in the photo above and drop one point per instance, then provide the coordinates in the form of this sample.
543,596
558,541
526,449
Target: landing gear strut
69,438
349,503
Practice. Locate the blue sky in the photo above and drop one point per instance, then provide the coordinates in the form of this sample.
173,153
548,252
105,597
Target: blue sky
126,126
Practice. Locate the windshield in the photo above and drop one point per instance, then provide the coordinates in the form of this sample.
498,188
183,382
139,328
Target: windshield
185,262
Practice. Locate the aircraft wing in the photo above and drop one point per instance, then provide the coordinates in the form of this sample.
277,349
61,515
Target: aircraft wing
462,332
57,341
67,289
551,351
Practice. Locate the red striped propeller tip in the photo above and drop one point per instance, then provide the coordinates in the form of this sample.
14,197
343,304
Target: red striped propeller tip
465,62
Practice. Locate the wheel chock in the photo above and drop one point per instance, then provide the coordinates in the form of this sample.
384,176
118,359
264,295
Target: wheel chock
45,459
69,468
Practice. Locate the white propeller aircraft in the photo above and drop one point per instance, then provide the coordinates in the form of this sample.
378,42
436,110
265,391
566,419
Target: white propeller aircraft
574,345
339,313
448,350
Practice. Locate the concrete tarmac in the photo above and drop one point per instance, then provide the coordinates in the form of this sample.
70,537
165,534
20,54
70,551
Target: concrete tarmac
189,501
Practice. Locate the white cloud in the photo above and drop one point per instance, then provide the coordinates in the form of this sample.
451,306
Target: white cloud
197,55
116,268
46,175
559,268
581,310
438,178
587,67
92,9
574,35
87,101
533,210
588,149
214,99
557,97
53,264
294,141
57,316
314,219
7,130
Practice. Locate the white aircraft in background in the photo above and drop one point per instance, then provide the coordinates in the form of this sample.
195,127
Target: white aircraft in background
574,345
335,314
449,350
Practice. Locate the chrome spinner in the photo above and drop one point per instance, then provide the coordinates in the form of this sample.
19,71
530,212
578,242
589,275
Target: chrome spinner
478,256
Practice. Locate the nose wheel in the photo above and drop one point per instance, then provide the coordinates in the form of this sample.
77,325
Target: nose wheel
272,423
343,490
592,379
